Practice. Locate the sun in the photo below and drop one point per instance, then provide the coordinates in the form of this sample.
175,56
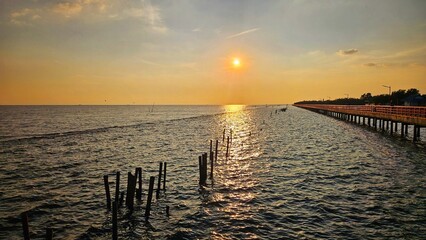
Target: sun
236,62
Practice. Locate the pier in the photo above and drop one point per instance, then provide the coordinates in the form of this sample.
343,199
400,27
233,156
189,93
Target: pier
384,118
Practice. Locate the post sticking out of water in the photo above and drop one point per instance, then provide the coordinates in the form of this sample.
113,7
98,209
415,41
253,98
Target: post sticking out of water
165,172
25,227
167,210
160,171
227,147
149,200
211,165
215,152
200,168
117,187
211,145
138,175
204,168
131,185
107,192
49,234
114,221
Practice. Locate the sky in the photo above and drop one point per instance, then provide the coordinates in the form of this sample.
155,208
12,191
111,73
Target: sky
183,51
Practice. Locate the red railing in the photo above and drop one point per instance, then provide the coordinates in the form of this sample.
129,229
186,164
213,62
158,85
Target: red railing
411,111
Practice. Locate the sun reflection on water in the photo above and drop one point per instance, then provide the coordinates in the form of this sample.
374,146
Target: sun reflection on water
236,176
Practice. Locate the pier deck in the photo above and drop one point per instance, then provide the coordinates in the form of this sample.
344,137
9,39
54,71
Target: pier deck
380,115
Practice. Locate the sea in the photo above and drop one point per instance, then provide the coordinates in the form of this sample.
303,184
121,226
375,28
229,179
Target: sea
291,174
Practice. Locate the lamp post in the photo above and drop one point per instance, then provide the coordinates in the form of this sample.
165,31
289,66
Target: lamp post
390,89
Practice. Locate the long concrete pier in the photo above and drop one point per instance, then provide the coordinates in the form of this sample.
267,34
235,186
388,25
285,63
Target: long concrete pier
384,118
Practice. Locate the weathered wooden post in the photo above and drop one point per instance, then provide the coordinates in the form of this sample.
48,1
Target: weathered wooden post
25,227
227,147
160,171
211,145
415,133
49,234
131,185
167,211
402,129
200,168
149,200
215,151
205,168
138,175
211,165
165,172
117,187
114,221
107,192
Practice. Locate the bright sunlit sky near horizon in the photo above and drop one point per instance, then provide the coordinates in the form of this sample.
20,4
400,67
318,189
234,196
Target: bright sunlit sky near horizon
183,51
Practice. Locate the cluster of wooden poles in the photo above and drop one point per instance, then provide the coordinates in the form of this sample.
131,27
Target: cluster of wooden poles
132,181
134,188
213,155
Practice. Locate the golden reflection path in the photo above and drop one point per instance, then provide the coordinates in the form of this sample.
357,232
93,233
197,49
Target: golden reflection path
235,178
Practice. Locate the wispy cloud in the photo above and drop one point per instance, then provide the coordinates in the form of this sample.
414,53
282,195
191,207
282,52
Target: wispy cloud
149,14
243,33
351,51
68,9
24,16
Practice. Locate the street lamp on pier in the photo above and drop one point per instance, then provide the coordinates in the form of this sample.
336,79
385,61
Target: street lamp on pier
390,96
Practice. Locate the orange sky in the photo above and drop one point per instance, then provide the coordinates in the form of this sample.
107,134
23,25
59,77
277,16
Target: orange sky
128,52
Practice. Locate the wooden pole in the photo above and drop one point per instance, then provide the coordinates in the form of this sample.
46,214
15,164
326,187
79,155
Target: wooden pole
117,187
114,221
200,168
167,210
227,147
211,145
211,165
107,192
215,151
165,174
131,185
160,171
138,176
149,200
25,227
204,168
49,234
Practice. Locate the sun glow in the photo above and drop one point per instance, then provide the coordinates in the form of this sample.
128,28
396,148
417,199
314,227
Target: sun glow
236,63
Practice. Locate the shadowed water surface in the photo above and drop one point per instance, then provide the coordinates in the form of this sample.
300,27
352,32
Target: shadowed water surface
291,175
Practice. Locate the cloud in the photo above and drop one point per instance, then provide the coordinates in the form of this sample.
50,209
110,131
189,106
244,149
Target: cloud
196,29
347,52
376,65
68,9
24,16
243,33
105,10
149,14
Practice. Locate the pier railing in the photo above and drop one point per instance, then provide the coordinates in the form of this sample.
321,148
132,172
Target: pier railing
409,111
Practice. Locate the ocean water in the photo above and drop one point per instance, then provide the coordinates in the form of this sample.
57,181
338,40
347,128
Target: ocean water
290,175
